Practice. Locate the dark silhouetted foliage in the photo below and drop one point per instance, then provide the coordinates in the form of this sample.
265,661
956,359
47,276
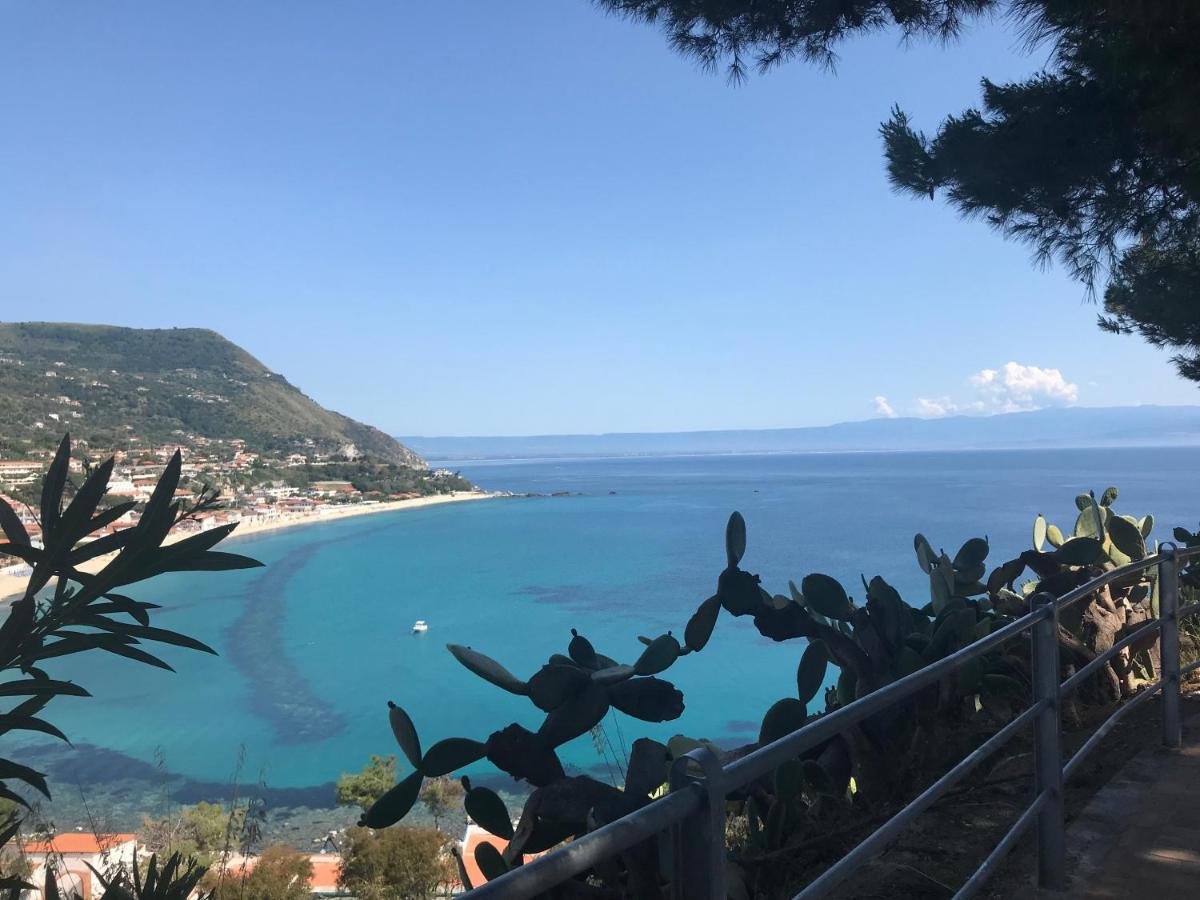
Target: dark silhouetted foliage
65,610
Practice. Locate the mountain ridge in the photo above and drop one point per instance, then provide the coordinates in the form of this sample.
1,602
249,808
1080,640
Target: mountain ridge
1062,426
108,384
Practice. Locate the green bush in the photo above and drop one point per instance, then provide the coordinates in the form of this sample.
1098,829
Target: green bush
395,864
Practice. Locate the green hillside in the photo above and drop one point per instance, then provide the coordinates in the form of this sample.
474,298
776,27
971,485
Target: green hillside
117,387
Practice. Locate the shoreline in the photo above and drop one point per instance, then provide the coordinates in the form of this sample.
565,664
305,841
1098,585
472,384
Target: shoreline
11,586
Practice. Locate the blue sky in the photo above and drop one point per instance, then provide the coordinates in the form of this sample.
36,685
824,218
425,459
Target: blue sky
524,217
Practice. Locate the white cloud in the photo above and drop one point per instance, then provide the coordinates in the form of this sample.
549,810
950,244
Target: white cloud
1013,387
935,408
1019,388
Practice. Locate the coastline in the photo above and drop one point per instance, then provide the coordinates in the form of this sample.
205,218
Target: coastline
11,586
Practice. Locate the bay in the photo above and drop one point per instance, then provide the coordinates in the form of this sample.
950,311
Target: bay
312,646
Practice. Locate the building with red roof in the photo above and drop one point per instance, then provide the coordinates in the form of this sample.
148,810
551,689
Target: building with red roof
73,853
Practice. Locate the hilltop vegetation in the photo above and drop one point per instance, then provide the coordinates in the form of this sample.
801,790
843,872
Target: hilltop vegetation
120,387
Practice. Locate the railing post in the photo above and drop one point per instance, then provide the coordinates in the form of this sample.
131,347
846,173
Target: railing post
1047,748
698,842
1168,643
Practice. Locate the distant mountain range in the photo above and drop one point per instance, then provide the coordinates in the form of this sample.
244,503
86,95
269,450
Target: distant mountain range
115,387
1065,427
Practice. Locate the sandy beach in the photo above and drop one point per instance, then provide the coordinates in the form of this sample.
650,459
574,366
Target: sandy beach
11,586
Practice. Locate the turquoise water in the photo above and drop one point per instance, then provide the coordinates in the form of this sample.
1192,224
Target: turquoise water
312,646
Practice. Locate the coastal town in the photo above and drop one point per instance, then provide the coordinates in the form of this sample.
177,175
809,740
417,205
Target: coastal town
257,490
80,859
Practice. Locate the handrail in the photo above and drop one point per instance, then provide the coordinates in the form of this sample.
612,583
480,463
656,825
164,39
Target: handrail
886,833
767,759
1109,724
1014,834
605,842
689,799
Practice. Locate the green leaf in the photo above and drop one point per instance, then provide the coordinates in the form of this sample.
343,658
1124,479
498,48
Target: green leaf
953,630
925,554
33,778
826,596
1110,494
579,714
452,753
659,656
109,543
1079,551
971,555
161,636
157,515
553,684
51,890
406,733
53,484
810,674
488,669
463,878
735,539
784,717
394,805
649,699
11,524
581,650
613,674
1127,537
211,561
1005,574
10,722
110,515
1039,532
1089,524
77,643
700,626
14,797
489,812
647,770
137,655
73,523
41,686
489,860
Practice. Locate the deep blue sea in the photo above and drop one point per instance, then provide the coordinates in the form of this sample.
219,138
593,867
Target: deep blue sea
312,646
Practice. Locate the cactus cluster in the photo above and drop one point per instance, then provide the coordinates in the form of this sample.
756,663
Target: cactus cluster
1101,539
575,690
1122,538
871,642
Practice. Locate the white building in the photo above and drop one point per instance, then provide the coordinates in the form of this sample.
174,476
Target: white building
72,852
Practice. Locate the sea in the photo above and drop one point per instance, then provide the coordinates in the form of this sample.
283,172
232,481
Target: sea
313,646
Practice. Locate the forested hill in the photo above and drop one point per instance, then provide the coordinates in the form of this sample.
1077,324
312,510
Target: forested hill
115,386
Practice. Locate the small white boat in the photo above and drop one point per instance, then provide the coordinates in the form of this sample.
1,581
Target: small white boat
419,626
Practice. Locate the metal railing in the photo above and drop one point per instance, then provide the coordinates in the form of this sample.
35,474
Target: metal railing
689,820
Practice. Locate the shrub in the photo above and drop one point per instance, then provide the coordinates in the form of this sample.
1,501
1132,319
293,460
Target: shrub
365,787
396,864
281,873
